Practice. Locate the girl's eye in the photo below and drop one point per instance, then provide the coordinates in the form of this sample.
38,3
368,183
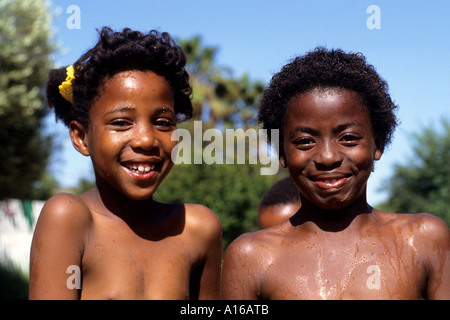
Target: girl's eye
120,123
164,124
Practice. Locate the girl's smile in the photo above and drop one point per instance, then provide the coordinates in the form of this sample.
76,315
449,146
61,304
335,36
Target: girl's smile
129,137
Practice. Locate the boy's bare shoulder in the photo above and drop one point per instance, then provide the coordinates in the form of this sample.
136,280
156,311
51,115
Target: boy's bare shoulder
259,243
424,226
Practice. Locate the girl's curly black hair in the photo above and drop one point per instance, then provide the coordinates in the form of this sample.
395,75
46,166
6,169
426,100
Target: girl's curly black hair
322,68
116,52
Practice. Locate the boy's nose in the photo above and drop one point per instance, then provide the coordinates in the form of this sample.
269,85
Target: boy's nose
328,157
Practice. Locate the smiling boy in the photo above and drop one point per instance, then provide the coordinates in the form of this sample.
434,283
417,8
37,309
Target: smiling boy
336,117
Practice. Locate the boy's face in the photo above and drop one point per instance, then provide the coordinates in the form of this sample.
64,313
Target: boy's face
328,147
129,135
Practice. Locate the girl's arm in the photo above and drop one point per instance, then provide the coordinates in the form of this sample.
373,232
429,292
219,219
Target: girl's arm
57,248
207,229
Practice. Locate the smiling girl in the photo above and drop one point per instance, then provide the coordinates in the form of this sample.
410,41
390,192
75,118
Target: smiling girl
335,118
121,102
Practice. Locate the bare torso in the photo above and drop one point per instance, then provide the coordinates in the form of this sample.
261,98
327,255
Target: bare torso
387,259
118,263
174,256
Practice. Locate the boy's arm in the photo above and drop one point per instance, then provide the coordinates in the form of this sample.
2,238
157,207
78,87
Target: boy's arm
205,280
239,272
58,244
436,235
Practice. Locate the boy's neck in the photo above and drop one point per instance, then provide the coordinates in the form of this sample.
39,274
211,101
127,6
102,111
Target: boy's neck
349,218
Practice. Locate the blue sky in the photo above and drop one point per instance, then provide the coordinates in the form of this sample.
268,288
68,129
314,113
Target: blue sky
411,52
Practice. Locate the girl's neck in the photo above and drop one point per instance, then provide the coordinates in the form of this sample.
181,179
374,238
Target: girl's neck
107,200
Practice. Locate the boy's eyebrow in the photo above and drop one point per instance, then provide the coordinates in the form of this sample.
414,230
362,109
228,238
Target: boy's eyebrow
346,125
305,130
336,129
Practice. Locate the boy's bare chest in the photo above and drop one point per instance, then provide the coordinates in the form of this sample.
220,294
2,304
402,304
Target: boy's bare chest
361,270
122,265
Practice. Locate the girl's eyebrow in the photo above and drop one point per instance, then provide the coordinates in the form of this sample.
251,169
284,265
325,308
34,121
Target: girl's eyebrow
164,110
131,108
120,109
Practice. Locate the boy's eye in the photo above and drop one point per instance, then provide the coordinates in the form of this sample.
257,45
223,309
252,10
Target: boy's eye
304,142
350,139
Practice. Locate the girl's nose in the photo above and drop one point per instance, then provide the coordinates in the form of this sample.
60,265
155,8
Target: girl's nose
145,138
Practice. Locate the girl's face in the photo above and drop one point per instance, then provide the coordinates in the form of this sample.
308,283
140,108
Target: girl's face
129,135
329,147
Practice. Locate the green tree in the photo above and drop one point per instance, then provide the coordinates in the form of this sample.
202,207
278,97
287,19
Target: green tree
232,191
423,183
220,100
25,48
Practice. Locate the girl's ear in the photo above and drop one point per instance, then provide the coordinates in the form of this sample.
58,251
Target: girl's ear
79,137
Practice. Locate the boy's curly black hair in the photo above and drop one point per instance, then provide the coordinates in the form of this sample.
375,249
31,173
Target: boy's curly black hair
116,52
322,68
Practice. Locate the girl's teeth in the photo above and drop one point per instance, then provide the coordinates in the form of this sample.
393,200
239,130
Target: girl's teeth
142,168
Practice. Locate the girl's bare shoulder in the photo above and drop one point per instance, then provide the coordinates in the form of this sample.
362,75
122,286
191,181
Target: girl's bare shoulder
199,221
65,209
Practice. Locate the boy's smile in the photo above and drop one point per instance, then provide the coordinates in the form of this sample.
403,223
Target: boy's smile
329,147
129,137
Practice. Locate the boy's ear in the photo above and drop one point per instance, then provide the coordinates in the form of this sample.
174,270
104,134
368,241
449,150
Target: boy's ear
379,143
282,156
79,137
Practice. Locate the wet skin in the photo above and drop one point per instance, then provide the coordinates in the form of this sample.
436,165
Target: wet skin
336,246
127,245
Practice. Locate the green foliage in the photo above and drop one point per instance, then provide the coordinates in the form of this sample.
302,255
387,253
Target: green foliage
232,191
13,284
423,183
220,99
24,63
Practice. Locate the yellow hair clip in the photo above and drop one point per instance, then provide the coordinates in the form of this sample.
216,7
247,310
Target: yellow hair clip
66,89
